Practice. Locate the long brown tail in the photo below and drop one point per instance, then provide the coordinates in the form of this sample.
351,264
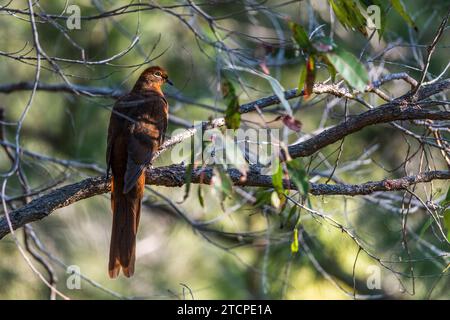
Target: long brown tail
126,212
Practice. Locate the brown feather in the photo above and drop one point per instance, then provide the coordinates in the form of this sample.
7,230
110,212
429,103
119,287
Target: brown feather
136,130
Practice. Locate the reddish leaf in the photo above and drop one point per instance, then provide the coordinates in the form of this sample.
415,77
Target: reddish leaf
323,46
310,76
292,123
264,67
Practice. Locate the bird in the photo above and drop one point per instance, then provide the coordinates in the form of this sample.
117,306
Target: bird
136,130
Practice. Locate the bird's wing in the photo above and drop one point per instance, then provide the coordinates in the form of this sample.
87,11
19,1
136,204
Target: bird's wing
113,130
145,138
116,124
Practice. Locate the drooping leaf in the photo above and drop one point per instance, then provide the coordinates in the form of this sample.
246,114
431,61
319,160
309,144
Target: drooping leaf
425,227
350,68
300,36
292,123
277,179
188,179
232,115
349,14
330,67
274,83
227,184
264,67
188,174
263,197
447,222
294,244
297,174
446,201
302,79
446,212
401,10
292,211
310,76
222,184
201,200
340,13
275,200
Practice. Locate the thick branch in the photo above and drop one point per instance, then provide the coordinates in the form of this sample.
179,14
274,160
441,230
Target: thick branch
400,109
174,176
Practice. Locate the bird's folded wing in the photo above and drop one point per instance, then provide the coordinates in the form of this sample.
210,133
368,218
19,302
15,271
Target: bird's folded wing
140,152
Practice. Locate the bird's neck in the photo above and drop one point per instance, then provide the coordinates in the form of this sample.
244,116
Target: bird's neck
145,86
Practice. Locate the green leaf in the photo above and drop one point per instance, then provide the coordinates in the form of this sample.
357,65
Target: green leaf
349,14
226,183
425,227
188,179
188,174
232,114
292,211
300,36
330,67
302,80
275,200
350,68
340,13
332,72
294,244
401,10
446,201
297,174
263,197
447,222
274,83
277,179
201,200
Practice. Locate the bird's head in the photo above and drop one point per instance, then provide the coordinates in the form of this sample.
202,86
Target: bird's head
153,78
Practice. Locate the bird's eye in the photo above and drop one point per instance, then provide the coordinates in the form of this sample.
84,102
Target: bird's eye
158,74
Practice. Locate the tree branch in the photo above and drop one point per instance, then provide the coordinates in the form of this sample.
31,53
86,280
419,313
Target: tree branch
174,176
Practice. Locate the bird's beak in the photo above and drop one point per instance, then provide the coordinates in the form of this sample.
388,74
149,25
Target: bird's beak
169,82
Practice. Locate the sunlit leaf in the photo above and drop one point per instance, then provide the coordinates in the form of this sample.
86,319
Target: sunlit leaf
302,79
310,76
275,200
277,179
350,68
294,244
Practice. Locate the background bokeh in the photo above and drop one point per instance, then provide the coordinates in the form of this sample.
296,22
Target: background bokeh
173,257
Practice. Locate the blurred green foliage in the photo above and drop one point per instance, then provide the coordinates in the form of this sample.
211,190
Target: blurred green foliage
171,253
